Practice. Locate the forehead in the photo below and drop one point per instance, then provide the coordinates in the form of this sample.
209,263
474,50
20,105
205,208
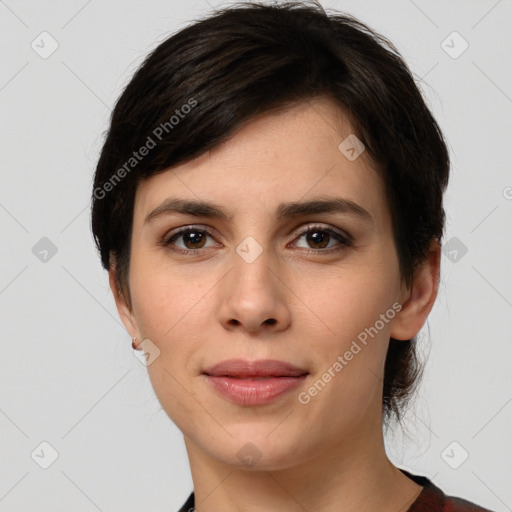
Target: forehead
289,156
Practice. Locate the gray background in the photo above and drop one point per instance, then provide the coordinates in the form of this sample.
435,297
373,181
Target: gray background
67,373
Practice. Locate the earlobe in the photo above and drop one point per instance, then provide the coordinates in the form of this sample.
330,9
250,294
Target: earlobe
420,297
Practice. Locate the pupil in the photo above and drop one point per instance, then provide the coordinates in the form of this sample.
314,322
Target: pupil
194,237
317,237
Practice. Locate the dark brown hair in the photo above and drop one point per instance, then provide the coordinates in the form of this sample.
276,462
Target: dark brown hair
204,82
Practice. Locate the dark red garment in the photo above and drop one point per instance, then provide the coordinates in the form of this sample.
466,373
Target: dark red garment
433,499
430,499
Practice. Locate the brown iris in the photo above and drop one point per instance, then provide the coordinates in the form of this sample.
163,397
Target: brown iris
318,237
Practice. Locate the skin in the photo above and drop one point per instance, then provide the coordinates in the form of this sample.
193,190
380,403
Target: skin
200,309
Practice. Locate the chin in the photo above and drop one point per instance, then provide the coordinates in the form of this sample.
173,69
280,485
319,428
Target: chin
257,451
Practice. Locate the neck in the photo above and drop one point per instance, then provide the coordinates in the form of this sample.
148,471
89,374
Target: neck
352,476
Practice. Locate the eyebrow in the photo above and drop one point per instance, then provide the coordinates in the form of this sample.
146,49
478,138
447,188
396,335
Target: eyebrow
283,211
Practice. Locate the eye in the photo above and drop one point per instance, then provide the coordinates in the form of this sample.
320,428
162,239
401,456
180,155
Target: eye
193,239
319,238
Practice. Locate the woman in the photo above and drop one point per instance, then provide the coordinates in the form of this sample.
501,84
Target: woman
269,205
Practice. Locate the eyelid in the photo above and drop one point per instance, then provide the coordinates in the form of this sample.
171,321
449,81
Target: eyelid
185,229
323,227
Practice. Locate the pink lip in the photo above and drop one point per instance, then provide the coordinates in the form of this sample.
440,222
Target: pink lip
254,392
263,368
256,382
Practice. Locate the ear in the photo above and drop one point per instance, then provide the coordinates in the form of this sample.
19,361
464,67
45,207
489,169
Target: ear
419,298
124,310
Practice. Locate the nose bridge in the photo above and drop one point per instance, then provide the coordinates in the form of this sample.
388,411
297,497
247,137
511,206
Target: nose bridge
252,273
253,295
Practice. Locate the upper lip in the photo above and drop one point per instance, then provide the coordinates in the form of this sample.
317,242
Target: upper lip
261,368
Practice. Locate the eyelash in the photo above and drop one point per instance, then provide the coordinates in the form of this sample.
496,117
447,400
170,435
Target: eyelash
345,239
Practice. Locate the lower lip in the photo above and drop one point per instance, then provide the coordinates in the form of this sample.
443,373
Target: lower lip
254,392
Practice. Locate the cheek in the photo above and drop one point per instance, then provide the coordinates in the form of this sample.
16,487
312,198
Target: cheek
171,312
164,296
173,308
341,303
345,329
350,344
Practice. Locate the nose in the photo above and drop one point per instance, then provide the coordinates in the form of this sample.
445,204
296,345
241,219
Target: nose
254,297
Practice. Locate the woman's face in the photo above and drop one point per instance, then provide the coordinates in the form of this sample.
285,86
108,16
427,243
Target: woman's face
257,285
